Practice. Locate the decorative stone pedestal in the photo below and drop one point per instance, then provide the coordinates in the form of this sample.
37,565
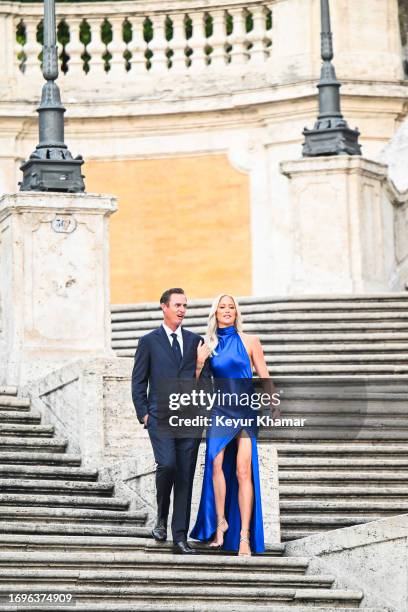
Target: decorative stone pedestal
54,281
342,225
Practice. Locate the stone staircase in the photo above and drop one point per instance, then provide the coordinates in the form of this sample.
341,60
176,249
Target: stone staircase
349,464
64,531
357,335
341,362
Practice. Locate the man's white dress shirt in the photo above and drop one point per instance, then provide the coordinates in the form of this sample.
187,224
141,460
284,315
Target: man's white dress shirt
177,332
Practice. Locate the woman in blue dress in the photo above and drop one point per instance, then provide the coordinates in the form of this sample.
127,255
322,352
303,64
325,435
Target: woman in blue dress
230,510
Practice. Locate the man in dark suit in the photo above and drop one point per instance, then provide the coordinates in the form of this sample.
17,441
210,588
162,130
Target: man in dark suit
165,353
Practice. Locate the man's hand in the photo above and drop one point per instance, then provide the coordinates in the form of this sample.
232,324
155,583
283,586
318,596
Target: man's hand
145,419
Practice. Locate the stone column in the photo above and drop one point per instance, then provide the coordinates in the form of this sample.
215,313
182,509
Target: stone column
54,281
366,40
341,223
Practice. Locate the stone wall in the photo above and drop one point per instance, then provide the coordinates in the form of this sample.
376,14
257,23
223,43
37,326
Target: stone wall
182,221
371,557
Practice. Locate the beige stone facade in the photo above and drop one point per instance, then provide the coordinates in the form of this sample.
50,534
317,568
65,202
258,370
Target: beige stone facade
208,128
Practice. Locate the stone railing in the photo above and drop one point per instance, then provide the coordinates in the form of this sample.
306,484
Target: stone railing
131,38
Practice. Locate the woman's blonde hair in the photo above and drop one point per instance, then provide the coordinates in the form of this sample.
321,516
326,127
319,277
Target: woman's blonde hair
211,337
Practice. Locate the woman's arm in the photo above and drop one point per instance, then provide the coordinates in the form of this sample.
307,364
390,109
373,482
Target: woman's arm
261,368
258,358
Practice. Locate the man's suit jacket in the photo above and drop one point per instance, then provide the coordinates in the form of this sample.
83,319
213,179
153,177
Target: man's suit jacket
156,361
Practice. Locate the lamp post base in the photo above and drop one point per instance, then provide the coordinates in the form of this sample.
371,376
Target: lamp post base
339,140
52,175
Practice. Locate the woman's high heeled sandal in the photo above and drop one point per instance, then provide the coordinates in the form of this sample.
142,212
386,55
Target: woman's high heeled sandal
246,540
222,530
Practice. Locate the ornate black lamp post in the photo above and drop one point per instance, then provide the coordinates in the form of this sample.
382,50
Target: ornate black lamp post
330,135
51,166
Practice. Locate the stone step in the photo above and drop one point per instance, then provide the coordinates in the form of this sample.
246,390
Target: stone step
113,559
369,490
16,416
288,535
288,350
35,472
68,537
316,464
201,594
331,449
33,458
342,477
282,339
385,297
8,390
181,606
374,385
312,522
26,431
254,314
313,308
304,301
348,421
11,402
55,487
275,434
57,520
351,369
68,501
329,358
359,407
338,347
46,445
322,369
62,578
142,327
103,538
204,549
337,506
72,528
48,517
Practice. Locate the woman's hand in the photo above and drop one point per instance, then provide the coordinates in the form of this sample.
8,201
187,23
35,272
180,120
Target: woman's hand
203,352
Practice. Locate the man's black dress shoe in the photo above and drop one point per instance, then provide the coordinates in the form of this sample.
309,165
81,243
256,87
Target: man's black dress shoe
183,548
159,531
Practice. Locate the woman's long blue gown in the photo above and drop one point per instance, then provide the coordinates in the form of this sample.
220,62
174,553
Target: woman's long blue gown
230,361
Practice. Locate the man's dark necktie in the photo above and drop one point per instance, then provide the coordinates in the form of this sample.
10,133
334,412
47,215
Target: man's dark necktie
176,349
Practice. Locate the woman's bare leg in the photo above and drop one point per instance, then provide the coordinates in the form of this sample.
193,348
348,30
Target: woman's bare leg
219,495
245,490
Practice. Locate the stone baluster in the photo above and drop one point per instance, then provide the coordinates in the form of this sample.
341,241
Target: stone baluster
96,48
159,45
198,42
8,48
268,35
117,48
238,37
257,36
137,46
32,48
218,40
75,48
179,43
18,53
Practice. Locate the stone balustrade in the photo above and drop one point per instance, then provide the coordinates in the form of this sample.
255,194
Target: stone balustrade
117,40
